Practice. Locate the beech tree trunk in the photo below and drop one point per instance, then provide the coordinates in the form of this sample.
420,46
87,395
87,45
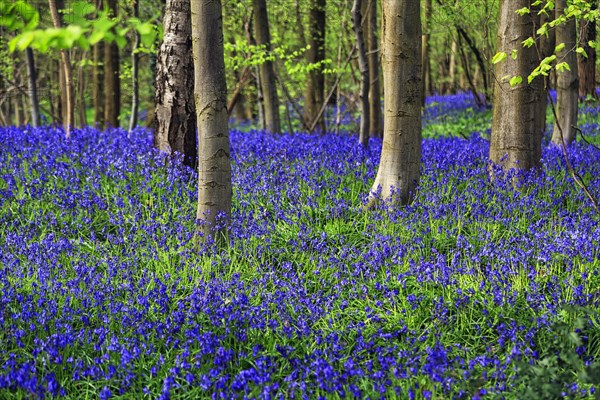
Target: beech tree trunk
267,75
67,90
376,127
517,122
363,66
175,115
112,82
587,66
398,173
315,89
567,82
210,93
32,87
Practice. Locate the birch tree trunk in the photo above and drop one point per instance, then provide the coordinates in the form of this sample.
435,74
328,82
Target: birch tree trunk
567,82
265,69
517,122
398,174
175,115
210,93
363,66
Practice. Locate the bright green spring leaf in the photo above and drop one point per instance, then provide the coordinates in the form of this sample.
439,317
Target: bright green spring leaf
499,57
515,80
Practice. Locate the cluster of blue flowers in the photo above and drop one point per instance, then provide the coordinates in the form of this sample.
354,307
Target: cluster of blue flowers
105,292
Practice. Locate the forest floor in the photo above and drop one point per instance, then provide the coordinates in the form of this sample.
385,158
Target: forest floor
474,290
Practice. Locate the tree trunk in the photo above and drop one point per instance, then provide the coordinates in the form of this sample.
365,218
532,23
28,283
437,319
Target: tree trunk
112,82
517,124
427,82
265,69
175,116
587,66
98,79
98,89
363,66
398,173
135,66
567,82
32,86
210,93
375,128
315,88
452,67
67,90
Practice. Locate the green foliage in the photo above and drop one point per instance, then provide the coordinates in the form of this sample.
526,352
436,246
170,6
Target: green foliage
563,365
85,27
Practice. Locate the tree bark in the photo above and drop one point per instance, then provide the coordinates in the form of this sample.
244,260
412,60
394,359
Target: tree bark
175,115
363,66
398,173
517,123
135,66
98,82
567,82
32,86
587,66
265,69
112,82
375,128
427,82
315,88
98,79
210,93
67,90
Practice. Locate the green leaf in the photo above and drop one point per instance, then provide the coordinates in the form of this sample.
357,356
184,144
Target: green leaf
513,54
560,67
528,42
559,47
523,11
499,57
515,80
581,50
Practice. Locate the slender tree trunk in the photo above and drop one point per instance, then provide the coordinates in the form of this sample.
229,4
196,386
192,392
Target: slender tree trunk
135,66
427,81
81,86
175,116
363,66
265,69
315,88
547,48
480,59
567,82
587,66
98,79
375,128
452,68
112,82
32,86
517,124
67,90
398,173
210,93
98,84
